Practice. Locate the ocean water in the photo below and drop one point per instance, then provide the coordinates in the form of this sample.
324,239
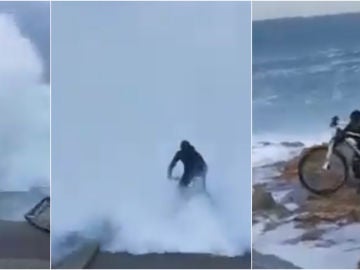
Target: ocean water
305,71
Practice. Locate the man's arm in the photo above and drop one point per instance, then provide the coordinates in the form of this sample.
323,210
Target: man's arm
173,162
205,166
203,163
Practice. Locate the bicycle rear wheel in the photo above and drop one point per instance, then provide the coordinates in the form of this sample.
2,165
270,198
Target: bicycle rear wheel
317,180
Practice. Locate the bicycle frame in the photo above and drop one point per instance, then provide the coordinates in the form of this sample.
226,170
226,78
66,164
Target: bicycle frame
348,141
192,183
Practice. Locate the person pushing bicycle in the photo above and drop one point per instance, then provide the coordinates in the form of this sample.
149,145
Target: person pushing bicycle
354,126
326,168
194,164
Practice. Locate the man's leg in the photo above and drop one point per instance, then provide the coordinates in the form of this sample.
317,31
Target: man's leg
356,169
203,180
185,180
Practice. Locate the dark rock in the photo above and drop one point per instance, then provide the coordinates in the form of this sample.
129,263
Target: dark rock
310,235
264,202
292,144
262,199
264,143
296,195
276,165
326,243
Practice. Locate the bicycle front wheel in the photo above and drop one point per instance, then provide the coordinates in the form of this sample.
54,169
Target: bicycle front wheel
318,180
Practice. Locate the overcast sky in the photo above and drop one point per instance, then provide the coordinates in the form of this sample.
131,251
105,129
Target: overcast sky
270,10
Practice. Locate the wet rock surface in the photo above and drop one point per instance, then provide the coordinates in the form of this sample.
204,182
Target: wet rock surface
266,261
313,215
263,202
310,235
344,204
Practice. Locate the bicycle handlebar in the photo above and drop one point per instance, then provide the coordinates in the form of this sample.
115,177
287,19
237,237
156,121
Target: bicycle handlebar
336,122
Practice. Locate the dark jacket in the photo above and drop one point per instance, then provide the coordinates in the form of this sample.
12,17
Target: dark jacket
194,163
354,124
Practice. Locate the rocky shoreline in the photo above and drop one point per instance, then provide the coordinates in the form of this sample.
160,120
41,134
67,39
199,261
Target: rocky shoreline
281,203
89,255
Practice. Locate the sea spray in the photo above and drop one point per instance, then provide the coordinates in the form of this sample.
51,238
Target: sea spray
24,112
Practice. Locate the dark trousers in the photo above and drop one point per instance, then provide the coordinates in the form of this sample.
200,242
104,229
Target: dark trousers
189,176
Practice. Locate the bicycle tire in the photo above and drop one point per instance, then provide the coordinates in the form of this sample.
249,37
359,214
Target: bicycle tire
305,158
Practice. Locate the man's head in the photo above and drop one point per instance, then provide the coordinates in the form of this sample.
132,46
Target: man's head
185,145
355,118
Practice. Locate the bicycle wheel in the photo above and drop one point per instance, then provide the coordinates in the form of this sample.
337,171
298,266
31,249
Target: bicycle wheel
317,180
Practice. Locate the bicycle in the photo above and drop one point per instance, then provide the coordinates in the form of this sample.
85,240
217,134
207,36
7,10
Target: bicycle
327,165
198,180
42,208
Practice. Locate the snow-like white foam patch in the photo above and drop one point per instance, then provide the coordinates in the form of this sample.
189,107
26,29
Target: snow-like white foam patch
269,154
268,148
343,254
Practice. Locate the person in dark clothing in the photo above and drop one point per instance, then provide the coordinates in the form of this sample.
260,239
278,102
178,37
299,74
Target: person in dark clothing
354,126
194,164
